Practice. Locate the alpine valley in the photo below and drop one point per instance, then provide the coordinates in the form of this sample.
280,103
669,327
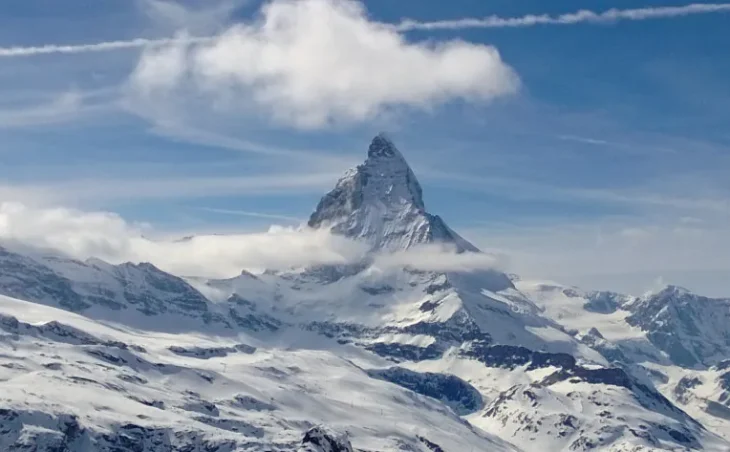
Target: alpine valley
353,357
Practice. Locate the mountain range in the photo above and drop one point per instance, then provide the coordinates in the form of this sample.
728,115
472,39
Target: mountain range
353,357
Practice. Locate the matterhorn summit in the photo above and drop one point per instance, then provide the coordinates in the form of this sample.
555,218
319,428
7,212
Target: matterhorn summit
381,202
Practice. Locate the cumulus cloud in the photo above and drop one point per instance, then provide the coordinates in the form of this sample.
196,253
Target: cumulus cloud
311,63
79,234
226,255
109,237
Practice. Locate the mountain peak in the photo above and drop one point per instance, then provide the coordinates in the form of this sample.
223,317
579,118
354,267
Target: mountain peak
381,201
382,147
669,291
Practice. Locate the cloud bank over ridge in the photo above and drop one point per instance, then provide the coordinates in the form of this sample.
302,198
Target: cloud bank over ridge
107,236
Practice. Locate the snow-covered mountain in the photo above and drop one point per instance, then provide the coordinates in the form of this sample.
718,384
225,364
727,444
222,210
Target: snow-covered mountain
381,202
673,338
692,330
356,357
83,286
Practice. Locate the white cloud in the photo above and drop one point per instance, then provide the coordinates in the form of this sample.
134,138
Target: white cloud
161,68
582,16
620,255
311,63
64,107
227,255
76,233
109,237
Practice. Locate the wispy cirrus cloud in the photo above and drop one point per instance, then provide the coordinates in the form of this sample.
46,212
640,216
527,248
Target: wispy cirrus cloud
93,191
578,17
247,213
584,140
49,49
66,106
174,14
687,194
186,133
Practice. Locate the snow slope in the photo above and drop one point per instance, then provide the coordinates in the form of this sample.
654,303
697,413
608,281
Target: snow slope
67,379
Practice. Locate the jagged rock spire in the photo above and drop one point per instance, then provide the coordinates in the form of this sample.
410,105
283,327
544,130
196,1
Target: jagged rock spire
382,147
381,201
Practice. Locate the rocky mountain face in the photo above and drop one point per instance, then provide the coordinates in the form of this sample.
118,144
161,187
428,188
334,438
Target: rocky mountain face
321,439
692,330
353,358
81,286
134,293
381,202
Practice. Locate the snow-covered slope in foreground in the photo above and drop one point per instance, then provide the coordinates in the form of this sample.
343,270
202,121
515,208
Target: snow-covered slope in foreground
363,356
71,383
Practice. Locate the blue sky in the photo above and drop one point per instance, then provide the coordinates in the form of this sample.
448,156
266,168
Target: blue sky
602,160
